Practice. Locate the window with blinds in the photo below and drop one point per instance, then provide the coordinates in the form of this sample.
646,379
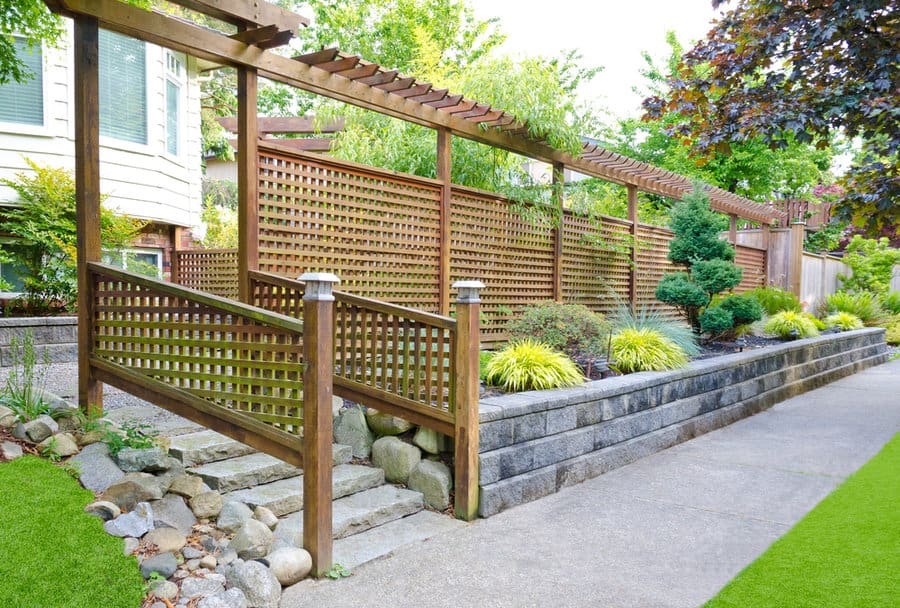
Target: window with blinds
23,102
123,87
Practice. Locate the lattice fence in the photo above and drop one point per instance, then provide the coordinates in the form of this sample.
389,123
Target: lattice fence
214,271
753,261
652,264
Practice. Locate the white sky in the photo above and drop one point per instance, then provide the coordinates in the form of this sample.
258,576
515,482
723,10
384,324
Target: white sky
608,33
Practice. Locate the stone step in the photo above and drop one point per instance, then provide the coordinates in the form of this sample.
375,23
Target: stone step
206,446
286,496
244,472
358,512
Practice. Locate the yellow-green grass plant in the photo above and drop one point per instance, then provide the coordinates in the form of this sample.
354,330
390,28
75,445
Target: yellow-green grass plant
844,321
637,350
863,304
892,335
531,365
784,323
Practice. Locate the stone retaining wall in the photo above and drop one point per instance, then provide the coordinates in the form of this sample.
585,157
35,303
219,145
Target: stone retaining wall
535,443
58,335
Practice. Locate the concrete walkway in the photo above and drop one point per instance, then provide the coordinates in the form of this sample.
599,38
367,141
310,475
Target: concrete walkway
668,530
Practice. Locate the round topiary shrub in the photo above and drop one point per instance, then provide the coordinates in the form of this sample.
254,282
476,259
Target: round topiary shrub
637,350
844,321
528,365
716,321
743,308
788,325
571,328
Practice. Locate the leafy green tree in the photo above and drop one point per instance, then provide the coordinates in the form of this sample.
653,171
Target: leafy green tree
799,71
872,264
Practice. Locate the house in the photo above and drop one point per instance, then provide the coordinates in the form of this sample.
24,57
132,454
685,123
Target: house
149,133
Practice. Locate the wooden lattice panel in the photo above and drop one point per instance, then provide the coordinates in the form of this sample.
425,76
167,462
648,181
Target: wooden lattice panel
378,232
214,271
652,264
227,359
753,261
492,243
596,261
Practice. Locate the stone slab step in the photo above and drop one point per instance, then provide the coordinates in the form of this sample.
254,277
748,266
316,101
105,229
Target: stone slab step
286,496
244,472
206,446
357,513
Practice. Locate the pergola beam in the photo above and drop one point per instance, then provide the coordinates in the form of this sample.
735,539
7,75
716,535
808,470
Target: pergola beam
241,12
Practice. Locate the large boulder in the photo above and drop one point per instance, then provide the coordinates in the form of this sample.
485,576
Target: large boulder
61,444
397,458
132,489
233,515
257,582
166,539
431,441
35,430
350,428
385,424
253,540
10,450
133,460
206,504
186,485
163,564
136,523
97,470
434,481
8,418
289,564
172,512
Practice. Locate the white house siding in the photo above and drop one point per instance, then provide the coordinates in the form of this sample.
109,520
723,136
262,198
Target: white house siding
141,180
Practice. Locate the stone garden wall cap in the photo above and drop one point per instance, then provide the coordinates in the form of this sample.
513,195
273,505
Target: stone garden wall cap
319,285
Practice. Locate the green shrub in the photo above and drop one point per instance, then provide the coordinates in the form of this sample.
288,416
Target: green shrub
890,302
816,321
637,350
783,323
528,364
483,358
25,382
844,321
716,321
687,296
872,264
133,434
892,335
743,308
863,304
571,328
774,300
652,319
716,276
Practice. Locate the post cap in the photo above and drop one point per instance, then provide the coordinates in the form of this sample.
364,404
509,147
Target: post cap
319,285
468,291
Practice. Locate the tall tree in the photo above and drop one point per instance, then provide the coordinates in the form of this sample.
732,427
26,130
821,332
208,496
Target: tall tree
799,71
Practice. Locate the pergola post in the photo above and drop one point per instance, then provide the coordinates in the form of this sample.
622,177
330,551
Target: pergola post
318,390
795,262
87,196
559,180
248,180
633,218
465,451
444,165
732,229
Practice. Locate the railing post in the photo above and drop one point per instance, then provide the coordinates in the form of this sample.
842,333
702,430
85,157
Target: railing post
318,371
795,262
465,451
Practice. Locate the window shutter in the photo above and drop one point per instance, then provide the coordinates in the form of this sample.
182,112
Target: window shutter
23,102
173,92
123,87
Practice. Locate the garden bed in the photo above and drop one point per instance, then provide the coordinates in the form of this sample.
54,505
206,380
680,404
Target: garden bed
535,443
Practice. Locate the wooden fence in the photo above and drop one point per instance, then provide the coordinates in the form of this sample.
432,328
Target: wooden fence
380,232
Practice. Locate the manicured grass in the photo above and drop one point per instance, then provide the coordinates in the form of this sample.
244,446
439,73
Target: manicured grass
52,553
845,552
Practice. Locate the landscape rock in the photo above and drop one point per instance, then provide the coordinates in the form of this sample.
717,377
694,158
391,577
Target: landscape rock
164,589
132,490
289,565
233,515
206,504
396,457
34,431
7,417
103,509
231,598
385,424
97,469
166,539
136,523
165,564
192,564
61,444
171,511
89,438
228,556
191,553
259,585
265,516
431,441
252,540
350,428
150,460
209,562
434,481
212,584
186,485
10,450
131,545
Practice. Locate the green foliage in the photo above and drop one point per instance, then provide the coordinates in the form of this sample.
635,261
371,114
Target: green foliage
890,302
221,227
816,321
775,300
570,328
32,19
484,358
716,276
55,554
744,308
717,321
43,225
25,382
892,334
872,263
688,297
825,239
844,321
652,319
530,365
637,350
337,571
784,323
697,229
863,304
133,434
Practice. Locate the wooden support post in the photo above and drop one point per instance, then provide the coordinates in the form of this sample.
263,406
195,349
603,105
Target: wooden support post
465,452
795,262
559,180
766,236
318,371
248,181
732,229
443,174
633,218
87,196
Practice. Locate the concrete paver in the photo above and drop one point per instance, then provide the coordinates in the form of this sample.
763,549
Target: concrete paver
667,531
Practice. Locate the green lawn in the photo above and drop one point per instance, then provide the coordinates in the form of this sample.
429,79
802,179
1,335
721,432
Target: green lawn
52,553
844,553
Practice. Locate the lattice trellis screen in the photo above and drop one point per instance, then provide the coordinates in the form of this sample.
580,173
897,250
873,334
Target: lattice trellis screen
596,261
753,261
